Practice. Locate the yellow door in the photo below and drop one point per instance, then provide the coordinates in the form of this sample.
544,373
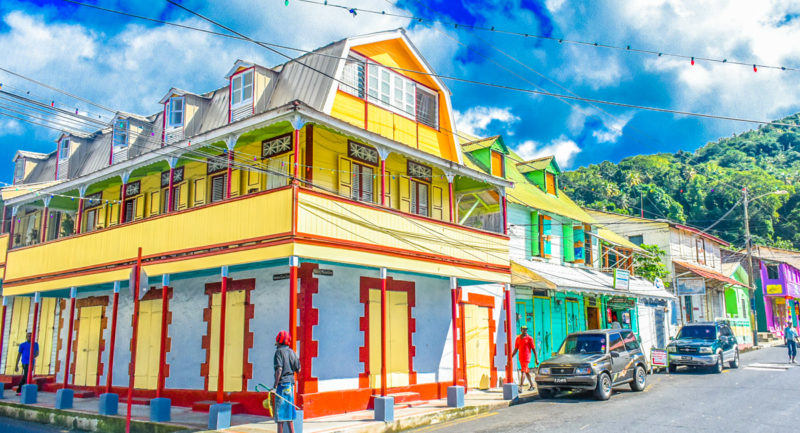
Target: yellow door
148,345
44,335
88,349
478,356
234,341
19,327
397,369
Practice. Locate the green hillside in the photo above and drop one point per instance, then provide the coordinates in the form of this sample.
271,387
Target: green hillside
698,188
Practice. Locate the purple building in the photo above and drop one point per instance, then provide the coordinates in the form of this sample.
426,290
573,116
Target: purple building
780,283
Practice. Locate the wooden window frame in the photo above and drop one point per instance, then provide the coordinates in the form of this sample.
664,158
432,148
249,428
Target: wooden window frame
357,193
211,185
414,185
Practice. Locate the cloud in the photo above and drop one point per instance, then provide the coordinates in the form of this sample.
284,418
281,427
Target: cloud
477,120
562,148
11,127
612,128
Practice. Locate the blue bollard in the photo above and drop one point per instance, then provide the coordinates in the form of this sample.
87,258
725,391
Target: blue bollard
510,391
64,398
455,396
109,404
219,416
160,409
29,393
384,409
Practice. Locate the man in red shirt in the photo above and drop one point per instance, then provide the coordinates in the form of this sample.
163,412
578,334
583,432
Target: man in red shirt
525,346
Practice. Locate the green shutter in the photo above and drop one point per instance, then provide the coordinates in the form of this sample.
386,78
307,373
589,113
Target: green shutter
568,242
534,234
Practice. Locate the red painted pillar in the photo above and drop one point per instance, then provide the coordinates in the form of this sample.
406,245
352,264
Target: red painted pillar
221,361
114,313
122,205
505,215
132,368
230,173
293,264
454,305
11,232
79,219
36,299
170,203
3,324
451,199
162,358
383,332
296,153
509,363
383,182
72,294
43,233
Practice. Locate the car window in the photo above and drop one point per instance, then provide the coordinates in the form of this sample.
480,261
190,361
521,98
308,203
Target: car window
615,342
630,341
583,343
726,331
704,332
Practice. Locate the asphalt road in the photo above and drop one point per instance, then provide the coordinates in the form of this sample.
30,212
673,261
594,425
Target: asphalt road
763,394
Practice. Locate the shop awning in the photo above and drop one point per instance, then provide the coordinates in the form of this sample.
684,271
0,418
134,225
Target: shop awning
541,275
708,273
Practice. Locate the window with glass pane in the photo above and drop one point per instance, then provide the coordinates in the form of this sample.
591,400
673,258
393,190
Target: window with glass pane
427,108
242,88
91,220
121,133
353,77
363,182
64,149
419,198
19,169
218,187
176,112
130,210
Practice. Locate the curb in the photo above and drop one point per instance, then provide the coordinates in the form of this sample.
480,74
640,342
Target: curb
82,420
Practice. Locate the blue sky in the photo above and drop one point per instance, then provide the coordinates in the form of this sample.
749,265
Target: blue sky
128,64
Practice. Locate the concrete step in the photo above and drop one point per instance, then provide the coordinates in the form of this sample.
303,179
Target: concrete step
204,406
405,397
135,400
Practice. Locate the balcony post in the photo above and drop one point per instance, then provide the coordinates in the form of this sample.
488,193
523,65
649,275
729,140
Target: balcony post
505,212
11,234
383,153
172,163
36,299
453,313
134,335
383,332
3,323
43,234
450,196
126,176
297,123
294,262
72,294
230,143
79,217
221,360
509,361
162,358
114,313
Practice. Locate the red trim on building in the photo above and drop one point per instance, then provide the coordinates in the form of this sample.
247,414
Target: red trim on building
485,301
92,301
309,318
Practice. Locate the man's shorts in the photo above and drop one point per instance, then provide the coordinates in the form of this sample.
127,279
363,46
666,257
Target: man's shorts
524,366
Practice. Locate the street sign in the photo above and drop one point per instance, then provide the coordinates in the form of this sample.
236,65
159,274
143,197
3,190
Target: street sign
659,358
622,279
690,286
143,286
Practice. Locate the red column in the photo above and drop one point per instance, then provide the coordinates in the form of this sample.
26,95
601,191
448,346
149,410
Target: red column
295,156
33,338
509,362
451,201
3,325
11,232
505,215
383,182
44,225
293,263
162,358
169,191
79,219
114,313
230,173
122,205
221,361
383,332
132,368
453,305
69,335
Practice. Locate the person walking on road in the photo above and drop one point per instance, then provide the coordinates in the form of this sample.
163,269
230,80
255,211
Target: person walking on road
789,338
525,345
24,353
286,364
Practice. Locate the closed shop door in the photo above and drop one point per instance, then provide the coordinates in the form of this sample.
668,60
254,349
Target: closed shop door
234,342
647,331
148,345
44,336
88,348
478,354
19,327
573,316
397,344
525,317
542,328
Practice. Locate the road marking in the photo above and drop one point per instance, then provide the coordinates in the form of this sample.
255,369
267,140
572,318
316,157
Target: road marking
768,367
459,421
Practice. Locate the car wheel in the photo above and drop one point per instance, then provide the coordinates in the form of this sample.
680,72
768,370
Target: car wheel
718,368
639,379
735,362
603,389
673,368
546,393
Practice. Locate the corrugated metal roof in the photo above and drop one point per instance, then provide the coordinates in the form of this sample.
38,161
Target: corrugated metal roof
534,164
298,82
43,171
479,144
95,157
30,155
215,111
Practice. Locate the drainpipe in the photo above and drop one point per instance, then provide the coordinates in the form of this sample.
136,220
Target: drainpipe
3,323
230,143
172,163
293,264
297,123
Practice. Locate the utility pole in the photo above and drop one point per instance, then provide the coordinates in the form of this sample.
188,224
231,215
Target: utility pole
750,266
641,202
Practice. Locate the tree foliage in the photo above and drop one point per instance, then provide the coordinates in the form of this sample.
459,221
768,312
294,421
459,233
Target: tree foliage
650,266
698,188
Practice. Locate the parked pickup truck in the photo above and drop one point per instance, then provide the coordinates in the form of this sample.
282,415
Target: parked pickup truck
704,344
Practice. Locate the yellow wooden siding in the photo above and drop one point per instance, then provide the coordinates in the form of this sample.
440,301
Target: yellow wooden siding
397,369
44,335
139,208
234,341
180,231
199,191
478,353
404,193
236,182
20,314
148,345
437,204
88,346
345,179
348,108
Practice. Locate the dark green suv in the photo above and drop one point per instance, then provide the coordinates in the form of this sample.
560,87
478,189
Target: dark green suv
704,344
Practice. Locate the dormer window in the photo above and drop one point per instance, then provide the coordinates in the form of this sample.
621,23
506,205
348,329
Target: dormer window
498,168
242,88
63,154
550,183
176,109
121,133
19,170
